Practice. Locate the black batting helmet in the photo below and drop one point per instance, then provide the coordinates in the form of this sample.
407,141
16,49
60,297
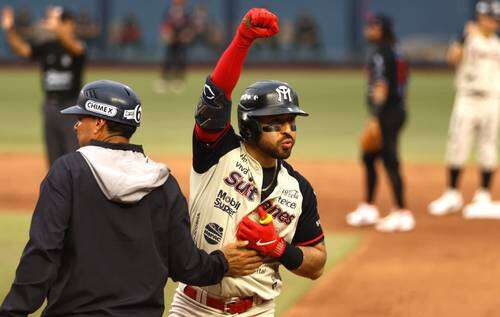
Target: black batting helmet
265,98
109,100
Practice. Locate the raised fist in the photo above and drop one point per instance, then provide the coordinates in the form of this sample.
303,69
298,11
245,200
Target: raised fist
258,23
7,18
261,237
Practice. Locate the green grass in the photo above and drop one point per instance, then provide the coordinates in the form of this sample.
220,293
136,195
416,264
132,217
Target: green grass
335,100
14,234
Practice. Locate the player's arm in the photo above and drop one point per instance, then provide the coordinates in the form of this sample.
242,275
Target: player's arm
18,45
380,89
313,263
306,255
455,52
39,264
213,113
65,34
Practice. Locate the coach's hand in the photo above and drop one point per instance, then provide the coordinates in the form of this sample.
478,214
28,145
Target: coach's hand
261,237
241,261
258,23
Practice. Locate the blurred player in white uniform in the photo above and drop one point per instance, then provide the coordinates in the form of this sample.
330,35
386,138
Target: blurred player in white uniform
476,111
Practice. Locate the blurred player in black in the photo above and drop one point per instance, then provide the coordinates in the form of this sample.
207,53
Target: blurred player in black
387,78
61,57
177,33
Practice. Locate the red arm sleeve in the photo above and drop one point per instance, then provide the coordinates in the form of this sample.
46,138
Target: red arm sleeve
228,68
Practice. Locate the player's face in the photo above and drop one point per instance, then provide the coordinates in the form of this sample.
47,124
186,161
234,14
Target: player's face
85,129
278,135
373,32
487,23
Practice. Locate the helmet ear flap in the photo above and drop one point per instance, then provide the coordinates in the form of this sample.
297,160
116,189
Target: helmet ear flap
250,129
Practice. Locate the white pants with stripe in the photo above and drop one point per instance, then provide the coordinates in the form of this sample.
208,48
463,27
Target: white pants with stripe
183,306
474,118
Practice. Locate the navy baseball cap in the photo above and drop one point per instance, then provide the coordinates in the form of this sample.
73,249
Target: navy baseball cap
109,100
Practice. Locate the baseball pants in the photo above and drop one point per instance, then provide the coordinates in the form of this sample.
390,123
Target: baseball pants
60,137
183,306
391,122
474,117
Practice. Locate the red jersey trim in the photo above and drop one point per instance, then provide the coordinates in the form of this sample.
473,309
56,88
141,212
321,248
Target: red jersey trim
307,243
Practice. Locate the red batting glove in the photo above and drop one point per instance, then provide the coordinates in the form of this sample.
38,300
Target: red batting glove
257,23
262,238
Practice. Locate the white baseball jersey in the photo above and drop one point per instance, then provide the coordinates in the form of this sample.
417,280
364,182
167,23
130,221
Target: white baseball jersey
226,185
479,69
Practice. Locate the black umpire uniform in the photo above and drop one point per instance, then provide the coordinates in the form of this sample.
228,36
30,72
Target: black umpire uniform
109,228
386,64
61,74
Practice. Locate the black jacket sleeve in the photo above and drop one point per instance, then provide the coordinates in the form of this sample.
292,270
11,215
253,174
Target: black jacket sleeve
39,263
187,263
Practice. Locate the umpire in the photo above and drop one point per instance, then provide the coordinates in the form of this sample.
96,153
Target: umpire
61,57
111,225
387,79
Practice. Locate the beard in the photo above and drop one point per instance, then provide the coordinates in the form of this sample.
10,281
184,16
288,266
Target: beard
276,150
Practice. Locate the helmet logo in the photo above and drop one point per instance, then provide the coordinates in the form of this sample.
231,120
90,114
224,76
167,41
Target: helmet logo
133,114
284,93
101,108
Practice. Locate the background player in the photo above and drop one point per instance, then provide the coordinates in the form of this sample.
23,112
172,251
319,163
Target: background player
476,110
387,77
177,32
61,57
235,178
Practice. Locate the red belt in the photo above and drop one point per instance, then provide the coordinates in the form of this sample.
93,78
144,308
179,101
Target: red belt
234,305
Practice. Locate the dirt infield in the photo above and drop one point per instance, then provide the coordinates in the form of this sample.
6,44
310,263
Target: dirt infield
446,267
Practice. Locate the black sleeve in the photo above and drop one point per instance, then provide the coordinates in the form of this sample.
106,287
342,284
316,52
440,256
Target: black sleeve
206,155
213,116
309,231
187,263
40,260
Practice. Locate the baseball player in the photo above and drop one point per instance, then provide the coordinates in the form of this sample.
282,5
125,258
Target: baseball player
111,225
61,57
387,78
476,112
242,186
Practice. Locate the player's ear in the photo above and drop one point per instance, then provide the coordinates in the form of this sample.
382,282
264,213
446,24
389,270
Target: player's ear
100,125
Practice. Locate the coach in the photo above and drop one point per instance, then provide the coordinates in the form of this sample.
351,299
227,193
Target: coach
111,225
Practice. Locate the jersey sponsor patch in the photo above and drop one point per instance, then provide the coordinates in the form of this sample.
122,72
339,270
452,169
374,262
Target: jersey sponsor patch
278,213
213,233
241,185
226,203
101,108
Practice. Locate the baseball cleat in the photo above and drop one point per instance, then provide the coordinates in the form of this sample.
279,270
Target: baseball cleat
450,201
364,215
481,196
396,221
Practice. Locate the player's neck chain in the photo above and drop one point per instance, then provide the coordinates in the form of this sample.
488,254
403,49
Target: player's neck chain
272,180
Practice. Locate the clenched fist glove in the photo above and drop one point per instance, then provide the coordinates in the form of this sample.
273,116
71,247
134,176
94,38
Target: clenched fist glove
261,237
257,23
